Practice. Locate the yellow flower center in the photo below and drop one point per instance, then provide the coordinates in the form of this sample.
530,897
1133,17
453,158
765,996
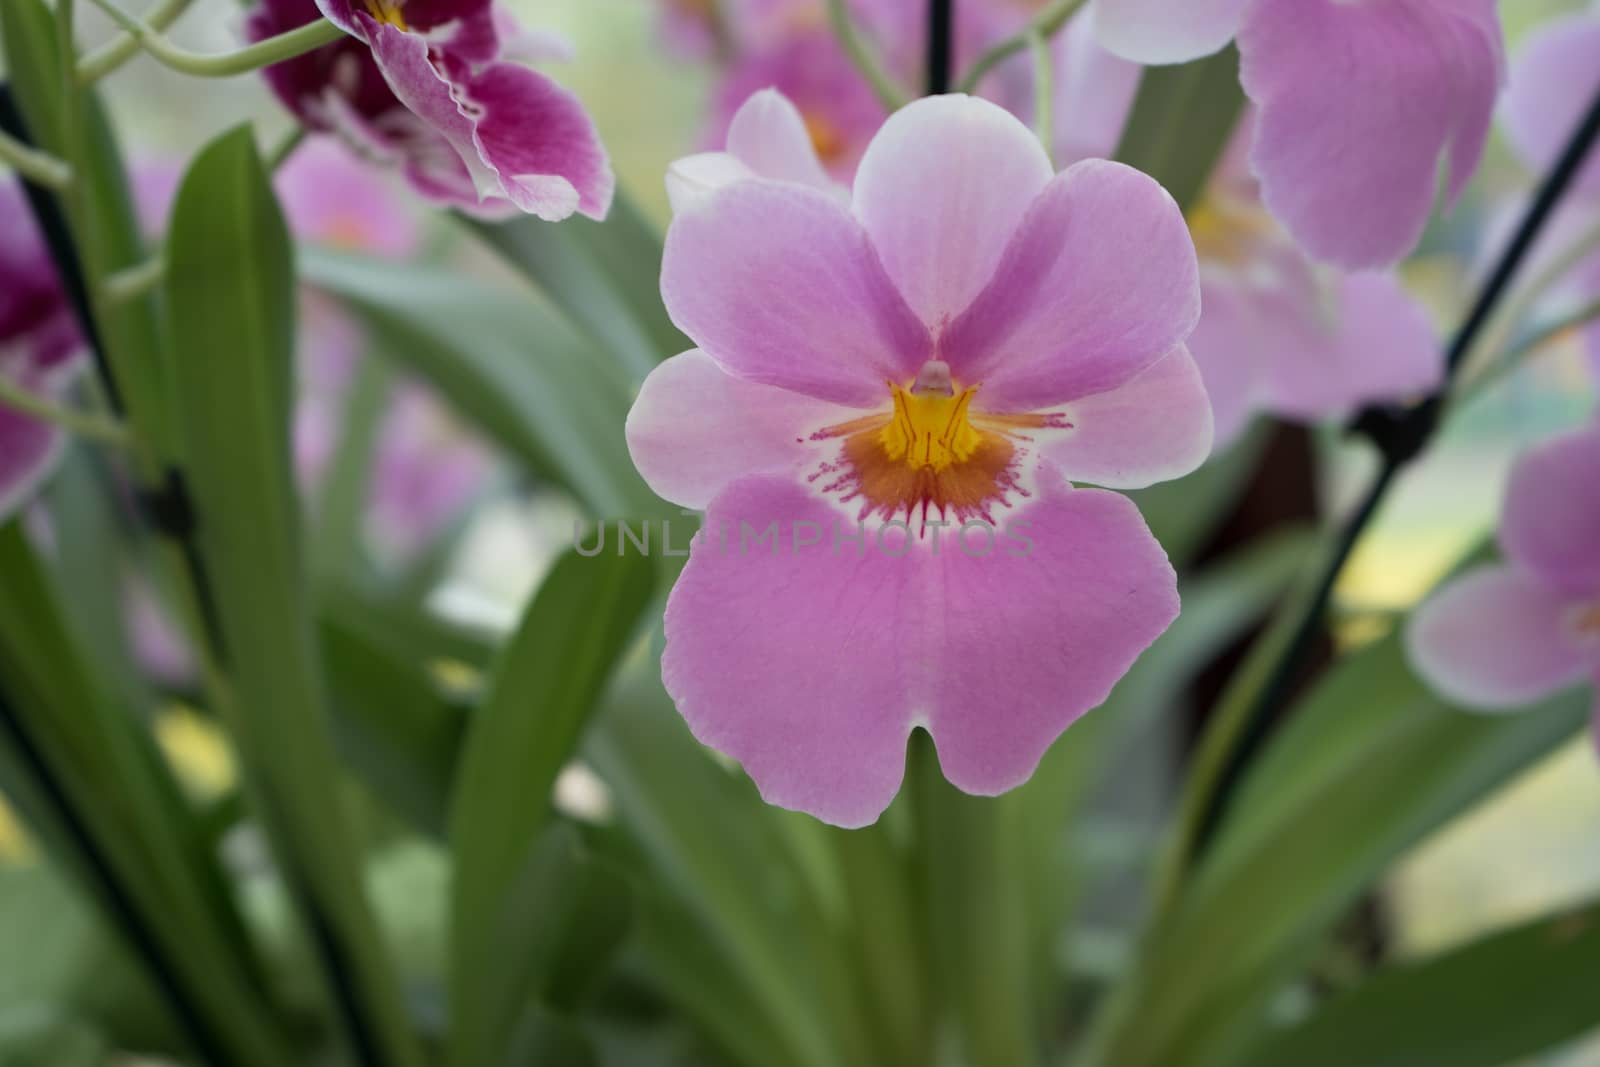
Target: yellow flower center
931,450
1224,227
826,137
1587,620
387,11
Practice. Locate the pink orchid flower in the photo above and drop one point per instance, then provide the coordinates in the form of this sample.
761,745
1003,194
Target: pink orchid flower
1359,100
1555,73
789,46
41,351
1278,333
1511,633
899,393
427,87
1287,336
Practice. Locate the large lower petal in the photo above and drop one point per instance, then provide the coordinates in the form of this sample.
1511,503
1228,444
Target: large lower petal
1358,102
1155,428
796,662
1554,76
780,285
941,190
1551,520
1098,283
810,663
1020,646
1161,31
1493,638
695,429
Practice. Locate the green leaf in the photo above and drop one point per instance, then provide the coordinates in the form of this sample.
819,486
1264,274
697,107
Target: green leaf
391,722
1181,122
508,365
230,296
540,698
754,968
115,819
1368,765
1492,1002
604,276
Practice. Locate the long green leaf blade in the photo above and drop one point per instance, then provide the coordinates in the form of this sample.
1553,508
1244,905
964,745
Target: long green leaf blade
230,296
543,691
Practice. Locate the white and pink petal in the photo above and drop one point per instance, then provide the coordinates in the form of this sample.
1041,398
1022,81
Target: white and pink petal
1156,427
941,190
1098,283
780,285
1495,638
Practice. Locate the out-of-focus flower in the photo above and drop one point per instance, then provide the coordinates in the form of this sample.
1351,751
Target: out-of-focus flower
1554,75
41,351
1277,332
425,469
1282,334
788,45
767,138
836,105
1358,104
1508,634
424,86
878,388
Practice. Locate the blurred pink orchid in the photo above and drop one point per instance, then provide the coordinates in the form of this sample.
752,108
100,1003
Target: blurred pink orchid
789,46
1277,333
965,338
1287,336
425,470
1358,103
41,351
1511,633
1555,72
425,86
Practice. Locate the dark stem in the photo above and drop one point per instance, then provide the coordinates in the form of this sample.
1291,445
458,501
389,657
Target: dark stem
63,253
1400,435
941,16
108,887
167,506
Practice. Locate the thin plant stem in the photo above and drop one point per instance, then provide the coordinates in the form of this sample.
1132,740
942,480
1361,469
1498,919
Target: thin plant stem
279,154
40,168
82,423
941,35
114,53
1043,94
296,42
130,283
1522,302
1045,24
1508,360
891,95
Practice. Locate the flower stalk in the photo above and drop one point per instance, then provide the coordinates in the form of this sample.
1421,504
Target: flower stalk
892,96
114,53
296,42
1045,24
